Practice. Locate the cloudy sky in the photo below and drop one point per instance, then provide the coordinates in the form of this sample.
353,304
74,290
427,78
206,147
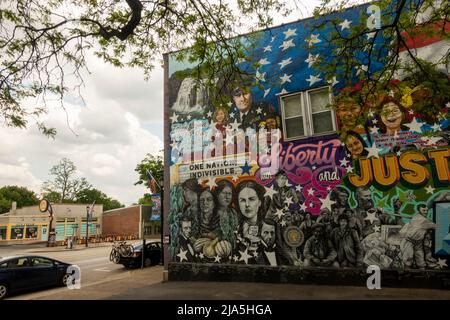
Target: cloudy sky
108,136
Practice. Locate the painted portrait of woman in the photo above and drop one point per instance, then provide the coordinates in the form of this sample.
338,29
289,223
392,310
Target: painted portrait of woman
392,116
221,118
209,219
355,145
228,219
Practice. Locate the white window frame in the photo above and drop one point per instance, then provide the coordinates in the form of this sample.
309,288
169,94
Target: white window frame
305,104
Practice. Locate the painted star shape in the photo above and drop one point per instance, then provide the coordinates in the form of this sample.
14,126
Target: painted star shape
377,228
374,130
201,255
414,126
313,39
235,125
430,189
182,255
229,139
312,59
411,112
344,162
399,153
373,151
287,44
327,203
211,182
314,167
235,178
442,263
332,82
270,192
289,201
263,62
303,207
371,114
244,256
235,258
447,105
259,110
374,121
266,92
200,181
229,104
261,77
267,49
174,145
285,78
371,217
284,91
298,188
232,115
350,169
285,62
255,254
174,118
311,205
345,24
279,213
311,192
283,223
313,79
209,114
217,258
246,168
189,117
436,127
433,140
290,33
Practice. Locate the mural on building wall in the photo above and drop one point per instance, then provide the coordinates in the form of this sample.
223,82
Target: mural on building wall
363,195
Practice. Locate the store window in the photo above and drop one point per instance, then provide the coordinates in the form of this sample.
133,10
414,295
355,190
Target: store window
17,232
307,114
31,232
3,230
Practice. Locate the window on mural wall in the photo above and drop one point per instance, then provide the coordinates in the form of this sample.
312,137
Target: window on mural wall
306,114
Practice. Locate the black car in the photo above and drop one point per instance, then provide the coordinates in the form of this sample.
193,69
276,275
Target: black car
152,256
20,273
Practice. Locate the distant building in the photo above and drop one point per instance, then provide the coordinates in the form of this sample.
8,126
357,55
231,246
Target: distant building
28,224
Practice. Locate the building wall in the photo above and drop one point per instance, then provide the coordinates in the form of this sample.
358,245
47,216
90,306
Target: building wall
123,221
282,195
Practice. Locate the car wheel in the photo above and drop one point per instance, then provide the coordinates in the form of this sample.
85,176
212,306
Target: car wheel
147,262
3,290
115,257
64,280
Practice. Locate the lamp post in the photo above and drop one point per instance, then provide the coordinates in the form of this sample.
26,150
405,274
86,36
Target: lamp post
44,206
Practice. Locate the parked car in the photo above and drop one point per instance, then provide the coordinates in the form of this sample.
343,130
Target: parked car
152,256
20,273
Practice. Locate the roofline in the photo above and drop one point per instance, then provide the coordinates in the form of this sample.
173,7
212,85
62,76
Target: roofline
132,206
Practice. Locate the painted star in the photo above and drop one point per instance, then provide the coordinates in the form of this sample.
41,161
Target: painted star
298,188
287,44
189,117
433,140
327,203
235,178
313,40
411,112
374,130
200,181
209,114
447,105
350,169
314,167
344,162
371,114
311,192
261,77
285,78
430,189
268,48
246,168
370,35
211,182
312,59
303,207
263,62
285,62
442,263
217,258
373,151
284,91
232,114
360,69
283,223
279,214
399,153
289,201
332,82
436,127
266,92
174,118
259,110
255,254
377,228
201,255
371,217
174,145
345,24
313,79
414,126
229,139
235,258
235,125
244,256
270,192
311,205
290,33
374,121
182,255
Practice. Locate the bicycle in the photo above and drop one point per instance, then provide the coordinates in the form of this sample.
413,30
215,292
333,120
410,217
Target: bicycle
120,249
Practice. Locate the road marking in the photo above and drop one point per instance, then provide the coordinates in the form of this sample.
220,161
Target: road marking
103,269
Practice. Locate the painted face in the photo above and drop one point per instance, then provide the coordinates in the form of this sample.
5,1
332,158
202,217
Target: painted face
225,196
271,123
343,223
391,115
249,203
190,196
206,202
268,234
186,228
317,232
423,211
349,113
220,116
243,100
282,181
342,198
364,198
354,146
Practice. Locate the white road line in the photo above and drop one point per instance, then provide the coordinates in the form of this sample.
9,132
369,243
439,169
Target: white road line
103,270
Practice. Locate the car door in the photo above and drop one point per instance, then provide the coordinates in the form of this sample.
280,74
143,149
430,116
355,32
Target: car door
44,272
22,274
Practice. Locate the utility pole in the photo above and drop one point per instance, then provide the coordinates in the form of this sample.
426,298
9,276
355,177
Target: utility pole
161,188
87,224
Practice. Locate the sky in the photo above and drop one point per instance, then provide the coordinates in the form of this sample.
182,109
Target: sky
119,123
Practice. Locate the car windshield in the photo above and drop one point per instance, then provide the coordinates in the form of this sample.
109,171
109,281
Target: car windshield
137,247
